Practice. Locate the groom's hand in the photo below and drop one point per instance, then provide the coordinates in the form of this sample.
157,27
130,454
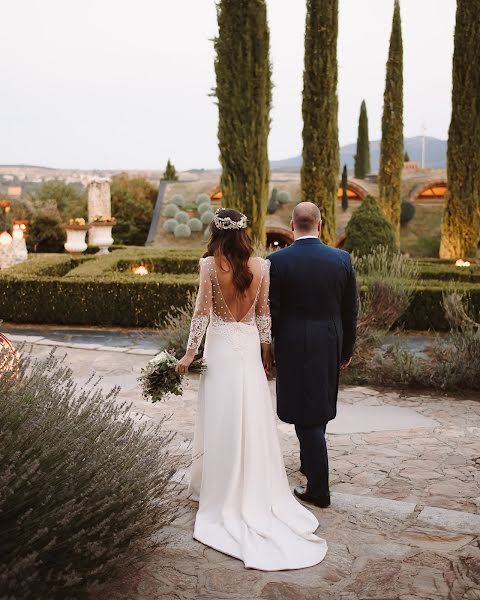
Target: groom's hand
345,363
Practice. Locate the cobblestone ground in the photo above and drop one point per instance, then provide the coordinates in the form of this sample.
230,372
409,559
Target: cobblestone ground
404,522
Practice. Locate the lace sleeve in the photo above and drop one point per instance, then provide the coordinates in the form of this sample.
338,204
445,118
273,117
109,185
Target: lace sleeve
262,308
203,306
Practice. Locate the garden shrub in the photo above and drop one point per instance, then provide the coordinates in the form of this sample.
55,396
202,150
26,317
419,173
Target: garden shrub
182,217
171,210
273,202
283,197
207,233
203,208
133,201
182,231
368,228
207,217
84,486
170,225
177,326
46,234
407,212
195,225
179,200
202,199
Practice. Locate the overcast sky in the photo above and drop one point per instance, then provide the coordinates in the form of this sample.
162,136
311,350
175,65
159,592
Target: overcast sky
125,83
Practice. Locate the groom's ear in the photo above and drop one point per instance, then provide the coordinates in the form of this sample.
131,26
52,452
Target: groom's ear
292,227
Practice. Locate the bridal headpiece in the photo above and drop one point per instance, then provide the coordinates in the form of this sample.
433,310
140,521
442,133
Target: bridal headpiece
228,223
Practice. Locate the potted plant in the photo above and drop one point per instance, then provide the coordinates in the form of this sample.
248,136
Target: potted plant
76,231
100,234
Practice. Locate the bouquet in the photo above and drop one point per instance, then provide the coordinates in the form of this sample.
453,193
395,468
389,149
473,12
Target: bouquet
159,377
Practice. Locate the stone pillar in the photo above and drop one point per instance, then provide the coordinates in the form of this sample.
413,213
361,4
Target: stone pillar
99,201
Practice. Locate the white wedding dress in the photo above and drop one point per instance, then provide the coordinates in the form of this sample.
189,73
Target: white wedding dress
246,508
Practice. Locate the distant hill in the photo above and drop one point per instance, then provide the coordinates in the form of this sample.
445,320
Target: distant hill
436,155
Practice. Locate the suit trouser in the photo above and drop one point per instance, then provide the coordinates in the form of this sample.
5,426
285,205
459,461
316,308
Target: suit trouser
314,457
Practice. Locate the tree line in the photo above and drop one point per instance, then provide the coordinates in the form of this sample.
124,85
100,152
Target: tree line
244,94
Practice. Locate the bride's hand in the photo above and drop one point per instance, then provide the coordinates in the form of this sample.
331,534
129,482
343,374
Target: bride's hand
184,363
267,358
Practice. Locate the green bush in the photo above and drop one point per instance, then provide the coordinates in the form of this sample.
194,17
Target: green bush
46,234
133,201
182,231
182,217
179,200
170,225
203,208
283,197
47,265
84,485
207,217
202,199
171,210
368,228
207,233
195,225
273,202
407,212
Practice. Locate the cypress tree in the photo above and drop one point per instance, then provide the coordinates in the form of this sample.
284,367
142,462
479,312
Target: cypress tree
362,157
461,219
406,157
170,173
244,92
344,188
391,149
321,155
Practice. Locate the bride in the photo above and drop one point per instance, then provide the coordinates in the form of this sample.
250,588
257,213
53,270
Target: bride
246,508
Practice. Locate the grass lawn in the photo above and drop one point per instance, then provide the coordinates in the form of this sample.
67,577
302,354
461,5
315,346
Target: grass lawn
421,237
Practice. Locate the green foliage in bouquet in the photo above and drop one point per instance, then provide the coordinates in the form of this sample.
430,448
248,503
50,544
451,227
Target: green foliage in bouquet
84,486
159,378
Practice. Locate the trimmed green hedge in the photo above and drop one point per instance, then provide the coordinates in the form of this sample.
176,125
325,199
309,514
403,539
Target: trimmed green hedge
449,272
122,300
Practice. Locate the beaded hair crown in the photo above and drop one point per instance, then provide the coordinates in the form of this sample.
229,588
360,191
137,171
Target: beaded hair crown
228,223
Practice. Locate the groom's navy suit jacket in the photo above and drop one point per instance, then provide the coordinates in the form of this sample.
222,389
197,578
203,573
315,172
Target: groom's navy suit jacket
313,302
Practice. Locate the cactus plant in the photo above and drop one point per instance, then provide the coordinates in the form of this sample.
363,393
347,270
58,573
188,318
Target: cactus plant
171,210
182,231
170,225
179,200
204,208
206,233
283,197
273,202
202,199
195,225
207,217
182,217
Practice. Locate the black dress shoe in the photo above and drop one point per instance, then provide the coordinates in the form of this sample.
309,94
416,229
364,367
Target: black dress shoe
302,494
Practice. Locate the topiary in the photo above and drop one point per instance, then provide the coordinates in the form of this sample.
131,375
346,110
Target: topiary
204,208
170,225
182,231
179,200
182,217
171,210
195,225
207,217
283,197
202,199
368,228
273,202
407,212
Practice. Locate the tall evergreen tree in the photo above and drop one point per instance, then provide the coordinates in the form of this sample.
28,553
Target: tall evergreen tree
170,173
362,157
391,149
461,219
244,93
344,188
321,154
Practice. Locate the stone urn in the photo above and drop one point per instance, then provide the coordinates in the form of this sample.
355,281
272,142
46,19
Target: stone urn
76,234
100,235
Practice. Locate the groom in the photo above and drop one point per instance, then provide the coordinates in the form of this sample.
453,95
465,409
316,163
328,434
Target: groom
313,302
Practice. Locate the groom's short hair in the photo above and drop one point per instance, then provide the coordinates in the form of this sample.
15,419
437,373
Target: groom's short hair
306,216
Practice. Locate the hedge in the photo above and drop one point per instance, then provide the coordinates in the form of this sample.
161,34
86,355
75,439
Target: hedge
448,272
125,300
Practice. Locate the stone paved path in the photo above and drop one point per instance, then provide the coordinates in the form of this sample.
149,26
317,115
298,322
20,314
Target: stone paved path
404,522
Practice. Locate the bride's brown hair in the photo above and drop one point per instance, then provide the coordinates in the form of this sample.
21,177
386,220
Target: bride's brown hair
235,246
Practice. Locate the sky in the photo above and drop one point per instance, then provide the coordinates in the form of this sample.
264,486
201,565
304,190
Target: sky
125,84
